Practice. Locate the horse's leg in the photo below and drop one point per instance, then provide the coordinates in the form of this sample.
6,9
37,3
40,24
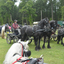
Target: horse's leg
62,40
48,46
34,40
30,40
58,38
36,43
39,44
44,42
24,37
2,34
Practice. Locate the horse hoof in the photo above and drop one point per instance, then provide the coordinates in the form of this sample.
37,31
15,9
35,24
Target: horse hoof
63,44
57,43
49,47
43,47
36,49
39,48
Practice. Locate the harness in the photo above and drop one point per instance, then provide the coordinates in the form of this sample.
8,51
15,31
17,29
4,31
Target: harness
19,57
23,62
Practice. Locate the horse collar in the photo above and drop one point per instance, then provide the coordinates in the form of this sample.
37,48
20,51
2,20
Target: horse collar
22,49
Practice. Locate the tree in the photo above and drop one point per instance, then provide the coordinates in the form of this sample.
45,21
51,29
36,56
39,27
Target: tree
28,12
41,9
62,12
6,10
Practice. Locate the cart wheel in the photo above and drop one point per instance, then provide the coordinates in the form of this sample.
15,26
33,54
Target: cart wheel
8,39
15,39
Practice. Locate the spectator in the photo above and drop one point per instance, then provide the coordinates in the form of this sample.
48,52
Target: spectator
9,26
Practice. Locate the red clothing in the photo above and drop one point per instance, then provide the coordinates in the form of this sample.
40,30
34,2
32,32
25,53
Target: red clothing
15,26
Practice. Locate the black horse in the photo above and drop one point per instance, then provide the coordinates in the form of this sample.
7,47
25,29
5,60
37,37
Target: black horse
60,35
48,30
35,31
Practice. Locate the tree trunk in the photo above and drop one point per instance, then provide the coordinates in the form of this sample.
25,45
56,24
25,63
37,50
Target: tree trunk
22,18
52,9
10,17
41,14
55,14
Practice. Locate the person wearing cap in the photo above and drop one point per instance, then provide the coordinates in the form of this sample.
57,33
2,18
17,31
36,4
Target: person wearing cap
16,26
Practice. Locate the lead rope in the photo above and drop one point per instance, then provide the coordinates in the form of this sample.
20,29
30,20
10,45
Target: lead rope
19,57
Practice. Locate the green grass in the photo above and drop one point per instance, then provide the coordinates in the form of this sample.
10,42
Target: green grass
55,55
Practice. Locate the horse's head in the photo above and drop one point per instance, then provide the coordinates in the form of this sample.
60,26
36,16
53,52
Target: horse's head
25,44
43,22
46,20
53,24
6,28
26,51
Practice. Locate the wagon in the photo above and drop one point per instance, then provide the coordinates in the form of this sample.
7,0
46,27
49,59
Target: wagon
12,36
54,36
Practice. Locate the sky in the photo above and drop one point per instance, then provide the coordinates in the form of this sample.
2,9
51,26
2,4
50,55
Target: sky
17,3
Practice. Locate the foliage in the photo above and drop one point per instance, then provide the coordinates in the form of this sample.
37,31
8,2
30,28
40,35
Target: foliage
62,9
30,10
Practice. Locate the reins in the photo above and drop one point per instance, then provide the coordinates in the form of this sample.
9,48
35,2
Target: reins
19,57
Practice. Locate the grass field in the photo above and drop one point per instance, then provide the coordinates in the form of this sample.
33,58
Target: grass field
55,55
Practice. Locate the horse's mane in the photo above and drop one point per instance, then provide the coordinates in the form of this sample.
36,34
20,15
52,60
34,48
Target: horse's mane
16,48
40,22
52,21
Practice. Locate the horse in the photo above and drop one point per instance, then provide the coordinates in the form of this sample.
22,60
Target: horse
53,24
34,31
0,30
48,30
18,53
60,35
18,50
4,28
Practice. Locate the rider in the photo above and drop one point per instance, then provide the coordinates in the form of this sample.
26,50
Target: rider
16,26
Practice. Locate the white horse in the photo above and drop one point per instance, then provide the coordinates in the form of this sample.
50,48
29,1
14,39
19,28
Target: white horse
3,34
16,51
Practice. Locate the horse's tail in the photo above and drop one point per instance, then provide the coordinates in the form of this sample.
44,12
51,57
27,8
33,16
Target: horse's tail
3,32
